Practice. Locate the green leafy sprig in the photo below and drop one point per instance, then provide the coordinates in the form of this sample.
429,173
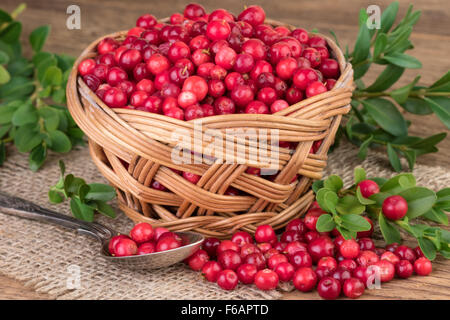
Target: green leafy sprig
375,119
346,206
85,199
32,95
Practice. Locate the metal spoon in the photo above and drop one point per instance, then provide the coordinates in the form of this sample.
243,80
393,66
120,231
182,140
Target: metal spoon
26,209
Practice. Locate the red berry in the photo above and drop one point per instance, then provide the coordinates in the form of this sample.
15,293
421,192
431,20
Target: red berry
197,85
130,59
193,112
191,177
367,258
418,252
254,15
186,98
256,107
386,270
290,236
227,279
153,104
176,18
392,247
146,21
92,81
210,246
115,98
193,11
174,112
303,77
366,244
321,247
278,105
255,48
267,95
266,279
246,273
304,279
125,247
311,218
293,95
368,188
285,271
107,45
300,259
218,30
293,247
276,259
330,83
146,248
329,68
241,238
265,233
114,241
227,245
349,249
229,259
242,95
348,264
247,249
167,243
301,35
211,270
404,269
315,88
279,51
422,266
264,247
313,56
341,275
395,207
329,288
157,63
328,262
257,259
315,41
198,259
296,225
244,63
86,66
353,288
224,105
145,85
285,67
178,50
142,232
208,111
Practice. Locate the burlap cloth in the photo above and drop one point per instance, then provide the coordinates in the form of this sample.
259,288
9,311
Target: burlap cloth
43,256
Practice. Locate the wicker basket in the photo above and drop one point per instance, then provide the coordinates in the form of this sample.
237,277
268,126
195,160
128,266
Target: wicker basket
142,140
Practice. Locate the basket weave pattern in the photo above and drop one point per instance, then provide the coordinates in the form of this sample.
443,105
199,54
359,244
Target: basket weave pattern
143,140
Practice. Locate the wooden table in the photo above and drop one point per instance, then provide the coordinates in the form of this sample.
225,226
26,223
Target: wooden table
432,46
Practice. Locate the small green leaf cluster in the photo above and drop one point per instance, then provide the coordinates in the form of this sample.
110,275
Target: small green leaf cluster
85,199
375,119
32,95
346,206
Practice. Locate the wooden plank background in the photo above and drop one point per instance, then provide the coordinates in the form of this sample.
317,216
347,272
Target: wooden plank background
431,38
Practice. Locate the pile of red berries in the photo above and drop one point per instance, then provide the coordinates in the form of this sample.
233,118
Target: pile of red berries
199,65
306,258
143,239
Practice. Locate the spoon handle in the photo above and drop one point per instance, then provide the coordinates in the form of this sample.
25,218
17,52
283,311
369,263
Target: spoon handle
25,209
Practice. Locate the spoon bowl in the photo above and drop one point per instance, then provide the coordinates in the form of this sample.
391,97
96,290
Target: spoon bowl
25,209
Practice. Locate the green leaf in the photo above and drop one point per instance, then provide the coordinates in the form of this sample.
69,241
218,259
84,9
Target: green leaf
430,141
380,44
4,130
334,183
11,33
359,175
73,184
443,199
50,116
389,232
105,209
347,234
37,157
59,141
388,17
27,137
393,158
325,223
400,95
81,211
102,192
386,115
416,106
16,87
403,60
386,79
25,114
362,153
410,156
2,153
393,186
442,81
55,197
5,17
362,200
7,111
4,57
349,205
427,248
38,37
436,215
354,222
83,190
62,167
317,185
52,77
5,77
441,107
362,44
420,200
